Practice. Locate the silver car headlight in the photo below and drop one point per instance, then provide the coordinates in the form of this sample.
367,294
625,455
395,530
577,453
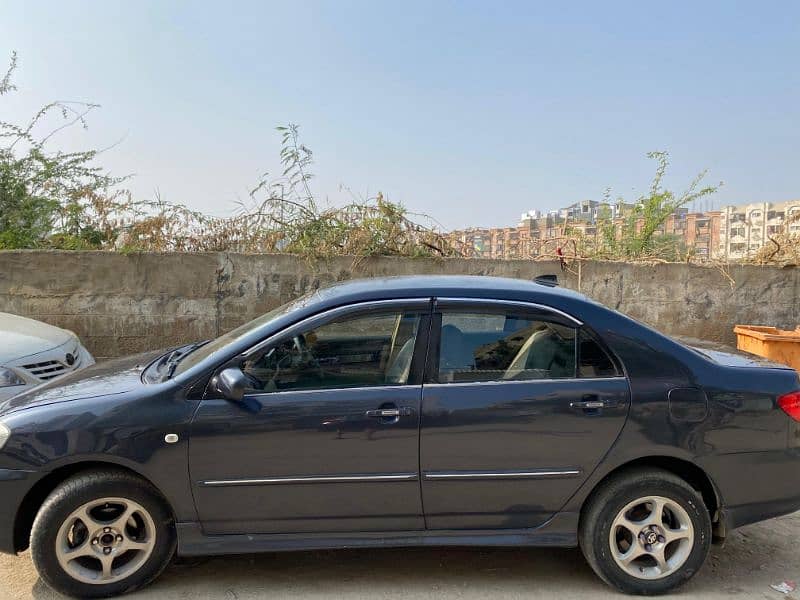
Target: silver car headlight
5,432
9,378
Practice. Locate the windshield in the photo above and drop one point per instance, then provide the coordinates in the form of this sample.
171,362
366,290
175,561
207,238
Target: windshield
200,353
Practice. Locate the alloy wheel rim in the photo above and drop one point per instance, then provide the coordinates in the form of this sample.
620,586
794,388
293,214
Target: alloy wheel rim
651,537
105,540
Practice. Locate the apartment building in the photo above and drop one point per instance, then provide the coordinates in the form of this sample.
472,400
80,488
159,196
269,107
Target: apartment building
474,242
732,233
745,229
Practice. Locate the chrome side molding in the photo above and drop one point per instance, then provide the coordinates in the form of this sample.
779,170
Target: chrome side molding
528,474
312,479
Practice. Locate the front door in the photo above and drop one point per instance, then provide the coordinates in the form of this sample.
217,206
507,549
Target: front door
521,407
326,438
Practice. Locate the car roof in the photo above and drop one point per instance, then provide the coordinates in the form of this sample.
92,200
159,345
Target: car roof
463,286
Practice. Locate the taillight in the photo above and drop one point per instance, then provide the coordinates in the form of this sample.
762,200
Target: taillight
790,404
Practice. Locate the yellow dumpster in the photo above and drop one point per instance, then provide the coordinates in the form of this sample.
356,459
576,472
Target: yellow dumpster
775,344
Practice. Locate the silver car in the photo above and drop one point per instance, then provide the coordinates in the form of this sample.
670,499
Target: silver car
33,352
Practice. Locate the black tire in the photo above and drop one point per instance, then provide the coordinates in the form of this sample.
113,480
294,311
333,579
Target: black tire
611,498
84,488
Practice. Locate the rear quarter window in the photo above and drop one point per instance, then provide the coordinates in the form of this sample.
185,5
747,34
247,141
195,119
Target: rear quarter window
593,360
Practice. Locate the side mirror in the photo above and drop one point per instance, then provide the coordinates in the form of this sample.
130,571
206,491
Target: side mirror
231,383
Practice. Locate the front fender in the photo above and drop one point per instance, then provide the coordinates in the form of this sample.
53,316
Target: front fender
120,430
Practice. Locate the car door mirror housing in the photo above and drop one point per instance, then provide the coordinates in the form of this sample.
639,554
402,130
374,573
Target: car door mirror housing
231,383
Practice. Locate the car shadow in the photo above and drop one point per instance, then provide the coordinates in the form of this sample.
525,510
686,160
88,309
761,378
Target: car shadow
455,572
392,572
366,573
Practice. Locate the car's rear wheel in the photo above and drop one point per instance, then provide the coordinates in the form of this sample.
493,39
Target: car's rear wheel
645,531
102,533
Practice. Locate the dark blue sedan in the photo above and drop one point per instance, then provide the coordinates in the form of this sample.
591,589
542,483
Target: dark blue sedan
402,412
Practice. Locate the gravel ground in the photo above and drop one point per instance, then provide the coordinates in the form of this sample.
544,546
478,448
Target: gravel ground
751,559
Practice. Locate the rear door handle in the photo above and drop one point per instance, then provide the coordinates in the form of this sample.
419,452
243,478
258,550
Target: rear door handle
592,402
588,404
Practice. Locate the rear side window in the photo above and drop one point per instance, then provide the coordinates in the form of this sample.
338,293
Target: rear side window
493,346
593,360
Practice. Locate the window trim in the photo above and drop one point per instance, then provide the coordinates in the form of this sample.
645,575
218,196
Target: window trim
434,384
421,305
458,301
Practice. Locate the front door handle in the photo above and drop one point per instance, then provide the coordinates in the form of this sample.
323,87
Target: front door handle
588,404
390,413
384,413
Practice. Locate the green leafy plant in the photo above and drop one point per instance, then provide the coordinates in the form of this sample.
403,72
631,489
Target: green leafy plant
44,190
55,199
640,234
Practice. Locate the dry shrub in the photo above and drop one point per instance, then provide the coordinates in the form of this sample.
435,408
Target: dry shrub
783,248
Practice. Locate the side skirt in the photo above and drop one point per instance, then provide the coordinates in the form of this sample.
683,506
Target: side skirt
559,531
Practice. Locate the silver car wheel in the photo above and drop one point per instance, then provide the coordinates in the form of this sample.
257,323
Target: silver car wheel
105,540
651,537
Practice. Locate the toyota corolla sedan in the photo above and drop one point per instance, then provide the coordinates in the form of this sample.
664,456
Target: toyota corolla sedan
32,352
402,412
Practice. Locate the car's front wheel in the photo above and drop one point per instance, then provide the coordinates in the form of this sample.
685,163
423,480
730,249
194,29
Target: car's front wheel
646,532
102,533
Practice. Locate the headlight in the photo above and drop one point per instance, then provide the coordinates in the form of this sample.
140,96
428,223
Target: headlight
4,433
9,378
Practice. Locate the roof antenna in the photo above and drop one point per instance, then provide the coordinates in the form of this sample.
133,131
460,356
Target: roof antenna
549,280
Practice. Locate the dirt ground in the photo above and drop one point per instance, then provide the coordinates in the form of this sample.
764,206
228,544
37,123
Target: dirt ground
751,559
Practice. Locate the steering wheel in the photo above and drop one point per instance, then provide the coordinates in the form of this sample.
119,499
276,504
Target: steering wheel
305,355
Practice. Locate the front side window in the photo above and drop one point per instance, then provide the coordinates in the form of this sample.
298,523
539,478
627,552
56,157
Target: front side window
357,351
202,352
476,347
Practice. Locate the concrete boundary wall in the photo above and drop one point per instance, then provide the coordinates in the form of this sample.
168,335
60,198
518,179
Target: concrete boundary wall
120,304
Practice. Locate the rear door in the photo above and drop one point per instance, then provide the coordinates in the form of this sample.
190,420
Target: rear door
520,405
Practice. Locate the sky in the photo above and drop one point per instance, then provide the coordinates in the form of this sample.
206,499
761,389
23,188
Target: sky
470,112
